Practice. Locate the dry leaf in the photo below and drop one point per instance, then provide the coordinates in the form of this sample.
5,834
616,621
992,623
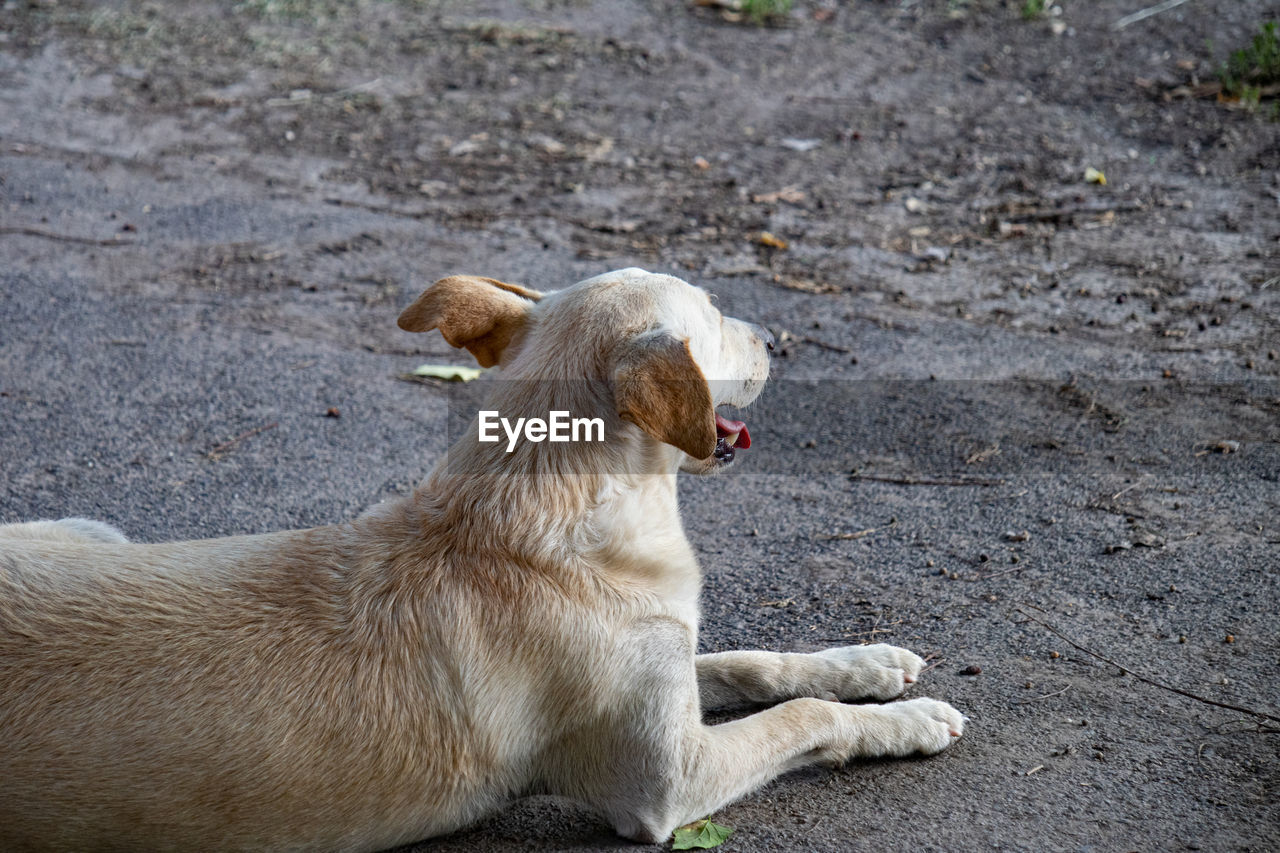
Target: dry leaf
764,238
791,195
701,834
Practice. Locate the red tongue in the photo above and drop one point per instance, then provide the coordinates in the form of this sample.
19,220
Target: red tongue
725,427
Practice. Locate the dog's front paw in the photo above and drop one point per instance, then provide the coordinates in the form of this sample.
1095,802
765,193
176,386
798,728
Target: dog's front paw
878,671
903,728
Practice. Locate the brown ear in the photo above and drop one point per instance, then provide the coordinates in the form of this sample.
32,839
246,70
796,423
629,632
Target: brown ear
481,314
659,388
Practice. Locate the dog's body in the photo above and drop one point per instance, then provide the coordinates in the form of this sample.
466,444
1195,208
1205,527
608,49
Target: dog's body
524,622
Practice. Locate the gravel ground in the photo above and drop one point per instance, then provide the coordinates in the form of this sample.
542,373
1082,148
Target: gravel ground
1019,422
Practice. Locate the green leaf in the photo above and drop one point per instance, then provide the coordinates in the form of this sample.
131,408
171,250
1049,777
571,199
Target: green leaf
701,834
447,372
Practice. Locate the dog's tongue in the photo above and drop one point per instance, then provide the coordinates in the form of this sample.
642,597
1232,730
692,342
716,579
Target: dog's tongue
735,432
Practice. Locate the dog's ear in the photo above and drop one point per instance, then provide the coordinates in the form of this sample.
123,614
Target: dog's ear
660,388
481,314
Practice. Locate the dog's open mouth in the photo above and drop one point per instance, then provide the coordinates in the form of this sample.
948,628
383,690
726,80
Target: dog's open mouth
731,435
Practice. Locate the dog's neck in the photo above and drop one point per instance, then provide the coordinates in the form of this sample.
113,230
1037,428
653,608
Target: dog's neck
608,508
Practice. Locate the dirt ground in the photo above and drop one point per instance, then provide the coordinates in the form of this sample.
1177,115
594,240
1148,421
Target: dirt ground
1014,413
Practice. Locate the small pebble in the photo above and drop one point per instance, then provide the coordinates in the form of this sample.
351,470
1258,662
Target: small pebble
1231,638
1054,655
1182,638
973,669
332,412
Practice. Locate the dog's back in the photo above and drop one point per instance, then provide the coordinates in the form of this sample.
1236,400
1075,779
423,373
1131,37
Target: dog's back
285,667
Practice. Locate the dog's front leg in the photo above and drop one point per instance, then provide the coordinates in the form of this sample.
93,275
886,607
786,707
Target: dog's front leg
715,765
649,763
847,673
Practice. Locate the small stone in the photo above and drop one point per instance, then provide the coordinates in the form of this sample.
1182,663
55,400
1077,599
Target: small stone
1054,655
972,669
1230,638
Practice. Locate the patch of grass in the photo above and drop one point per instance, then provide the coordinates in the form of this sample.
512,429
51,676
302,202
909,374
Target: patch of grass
1033,9
1248,70
763,11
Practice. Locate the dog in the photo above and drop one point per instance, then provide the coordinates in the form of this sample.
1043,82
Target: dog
524,622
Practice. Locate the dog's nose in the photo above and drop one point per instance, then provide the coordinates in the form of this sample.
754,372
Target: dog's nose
763,334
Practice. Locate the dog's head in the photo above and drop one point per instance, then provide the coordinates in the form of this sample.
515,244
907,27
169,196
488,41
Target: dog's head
667,356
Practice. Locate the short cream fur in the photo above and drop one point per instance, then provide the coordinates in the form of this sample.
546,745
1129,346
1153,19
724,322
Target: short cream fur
523,622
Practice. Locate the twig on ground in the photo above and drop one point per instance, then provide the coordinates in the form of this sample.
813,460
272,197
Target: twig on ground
858,535
873,631
825,345
1143,14
1258,728
1045,696
1125,490
1067,213
378,208
218,450
1147,680
927,481
935,662
63,238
